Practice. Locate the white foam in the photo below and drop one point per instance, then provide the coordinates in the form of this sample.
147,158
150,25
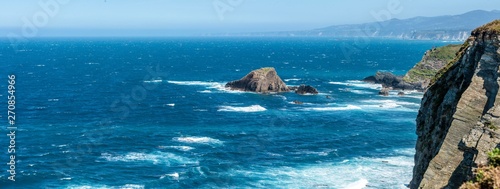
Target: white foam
389,104
155,158
358,84
171,105
198,140
388,172
181,148
126,186
154,81
293,79
174,176
361,183
253,108
218,86
348,107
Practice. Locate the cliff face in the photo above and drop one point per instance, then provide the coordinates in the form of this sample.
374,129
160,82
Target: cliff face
459,120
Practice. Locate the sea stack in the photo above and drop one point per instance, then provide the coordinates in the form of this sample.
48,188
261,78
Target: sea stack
457,124
264,80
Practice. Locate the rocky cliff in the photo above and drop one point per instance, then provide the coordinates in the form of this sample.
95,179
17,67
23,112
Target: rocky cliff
459,117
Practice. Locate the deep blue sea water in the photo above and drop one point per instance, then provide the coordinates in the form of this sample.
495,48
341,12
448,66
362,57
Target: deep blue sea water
154,113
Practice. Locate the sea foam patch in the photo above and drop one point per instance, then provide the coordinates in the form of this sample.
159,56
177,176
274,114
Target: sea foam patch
198,140
358,84
384,172
155,158
253,108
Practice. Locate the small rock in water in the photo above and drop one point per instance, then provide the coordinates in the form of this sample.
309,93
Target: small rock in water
384,92
297,102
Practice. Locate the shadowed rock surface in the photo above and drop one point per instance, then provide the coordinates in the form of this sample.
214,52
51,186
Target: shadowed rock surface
305,89
263,80
457,121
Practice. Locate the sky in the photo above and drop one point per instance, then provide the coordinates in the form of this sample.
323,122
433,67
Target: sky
186,17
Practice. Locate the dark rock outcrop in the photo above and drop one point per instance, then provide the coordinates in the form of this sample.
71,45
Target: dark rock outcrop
457,121
420,76
306,89
389,80
263,80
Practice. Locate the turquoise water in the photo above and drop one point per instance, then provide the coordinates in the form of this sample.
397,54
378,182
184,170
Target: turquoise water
154,113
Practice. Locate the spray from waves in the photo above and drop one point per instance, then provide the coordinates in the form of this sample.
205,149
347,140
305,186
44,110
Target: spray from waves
156,158
198,140
253,108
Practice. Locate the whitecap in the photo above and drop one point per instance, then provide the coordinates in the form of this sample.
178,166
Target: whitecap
348,107
155,158
390,104
174,176
388,172
171,105
198,140
293,79
219,86
358,84
253,108
181,148
361,183
154,81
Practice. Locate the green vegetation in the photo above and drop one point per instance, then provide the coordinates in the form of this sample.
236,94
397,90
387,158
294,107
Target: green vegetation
431,63
494,157
487,176
490,125
492,27
450,64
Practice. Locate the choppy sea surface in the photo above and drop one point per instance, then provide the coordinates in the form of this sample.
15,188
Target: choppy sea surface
154,113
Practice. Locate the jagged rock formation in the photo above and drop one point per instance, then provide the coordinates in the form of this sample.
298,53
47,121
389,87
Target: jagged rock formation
263,80
460,114
305,89
389,80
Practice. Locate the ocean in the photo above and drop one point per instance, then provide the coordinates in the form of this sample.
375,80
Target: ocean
154,113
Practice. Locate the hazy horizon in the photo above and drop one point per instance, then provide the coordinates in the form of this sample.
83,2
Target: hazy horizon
197,17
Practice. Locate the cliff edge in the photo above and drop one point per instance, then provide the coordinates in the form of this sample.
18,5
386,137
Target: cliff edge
459,118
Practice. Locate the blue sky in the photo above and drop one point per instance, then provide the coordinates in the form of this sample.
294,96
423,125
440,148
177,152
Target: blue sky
109,17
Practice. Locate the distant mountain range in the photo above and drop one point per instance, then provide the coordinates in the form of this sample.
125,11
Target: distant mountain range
452,27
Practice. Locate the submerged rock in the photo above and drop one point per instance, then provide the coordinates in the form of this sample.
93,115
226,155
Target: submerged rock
263,80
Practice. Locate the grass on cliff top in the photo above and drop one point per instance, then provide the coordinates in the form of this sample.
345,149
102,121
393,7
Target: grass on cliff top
446,53
492,26
421,71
